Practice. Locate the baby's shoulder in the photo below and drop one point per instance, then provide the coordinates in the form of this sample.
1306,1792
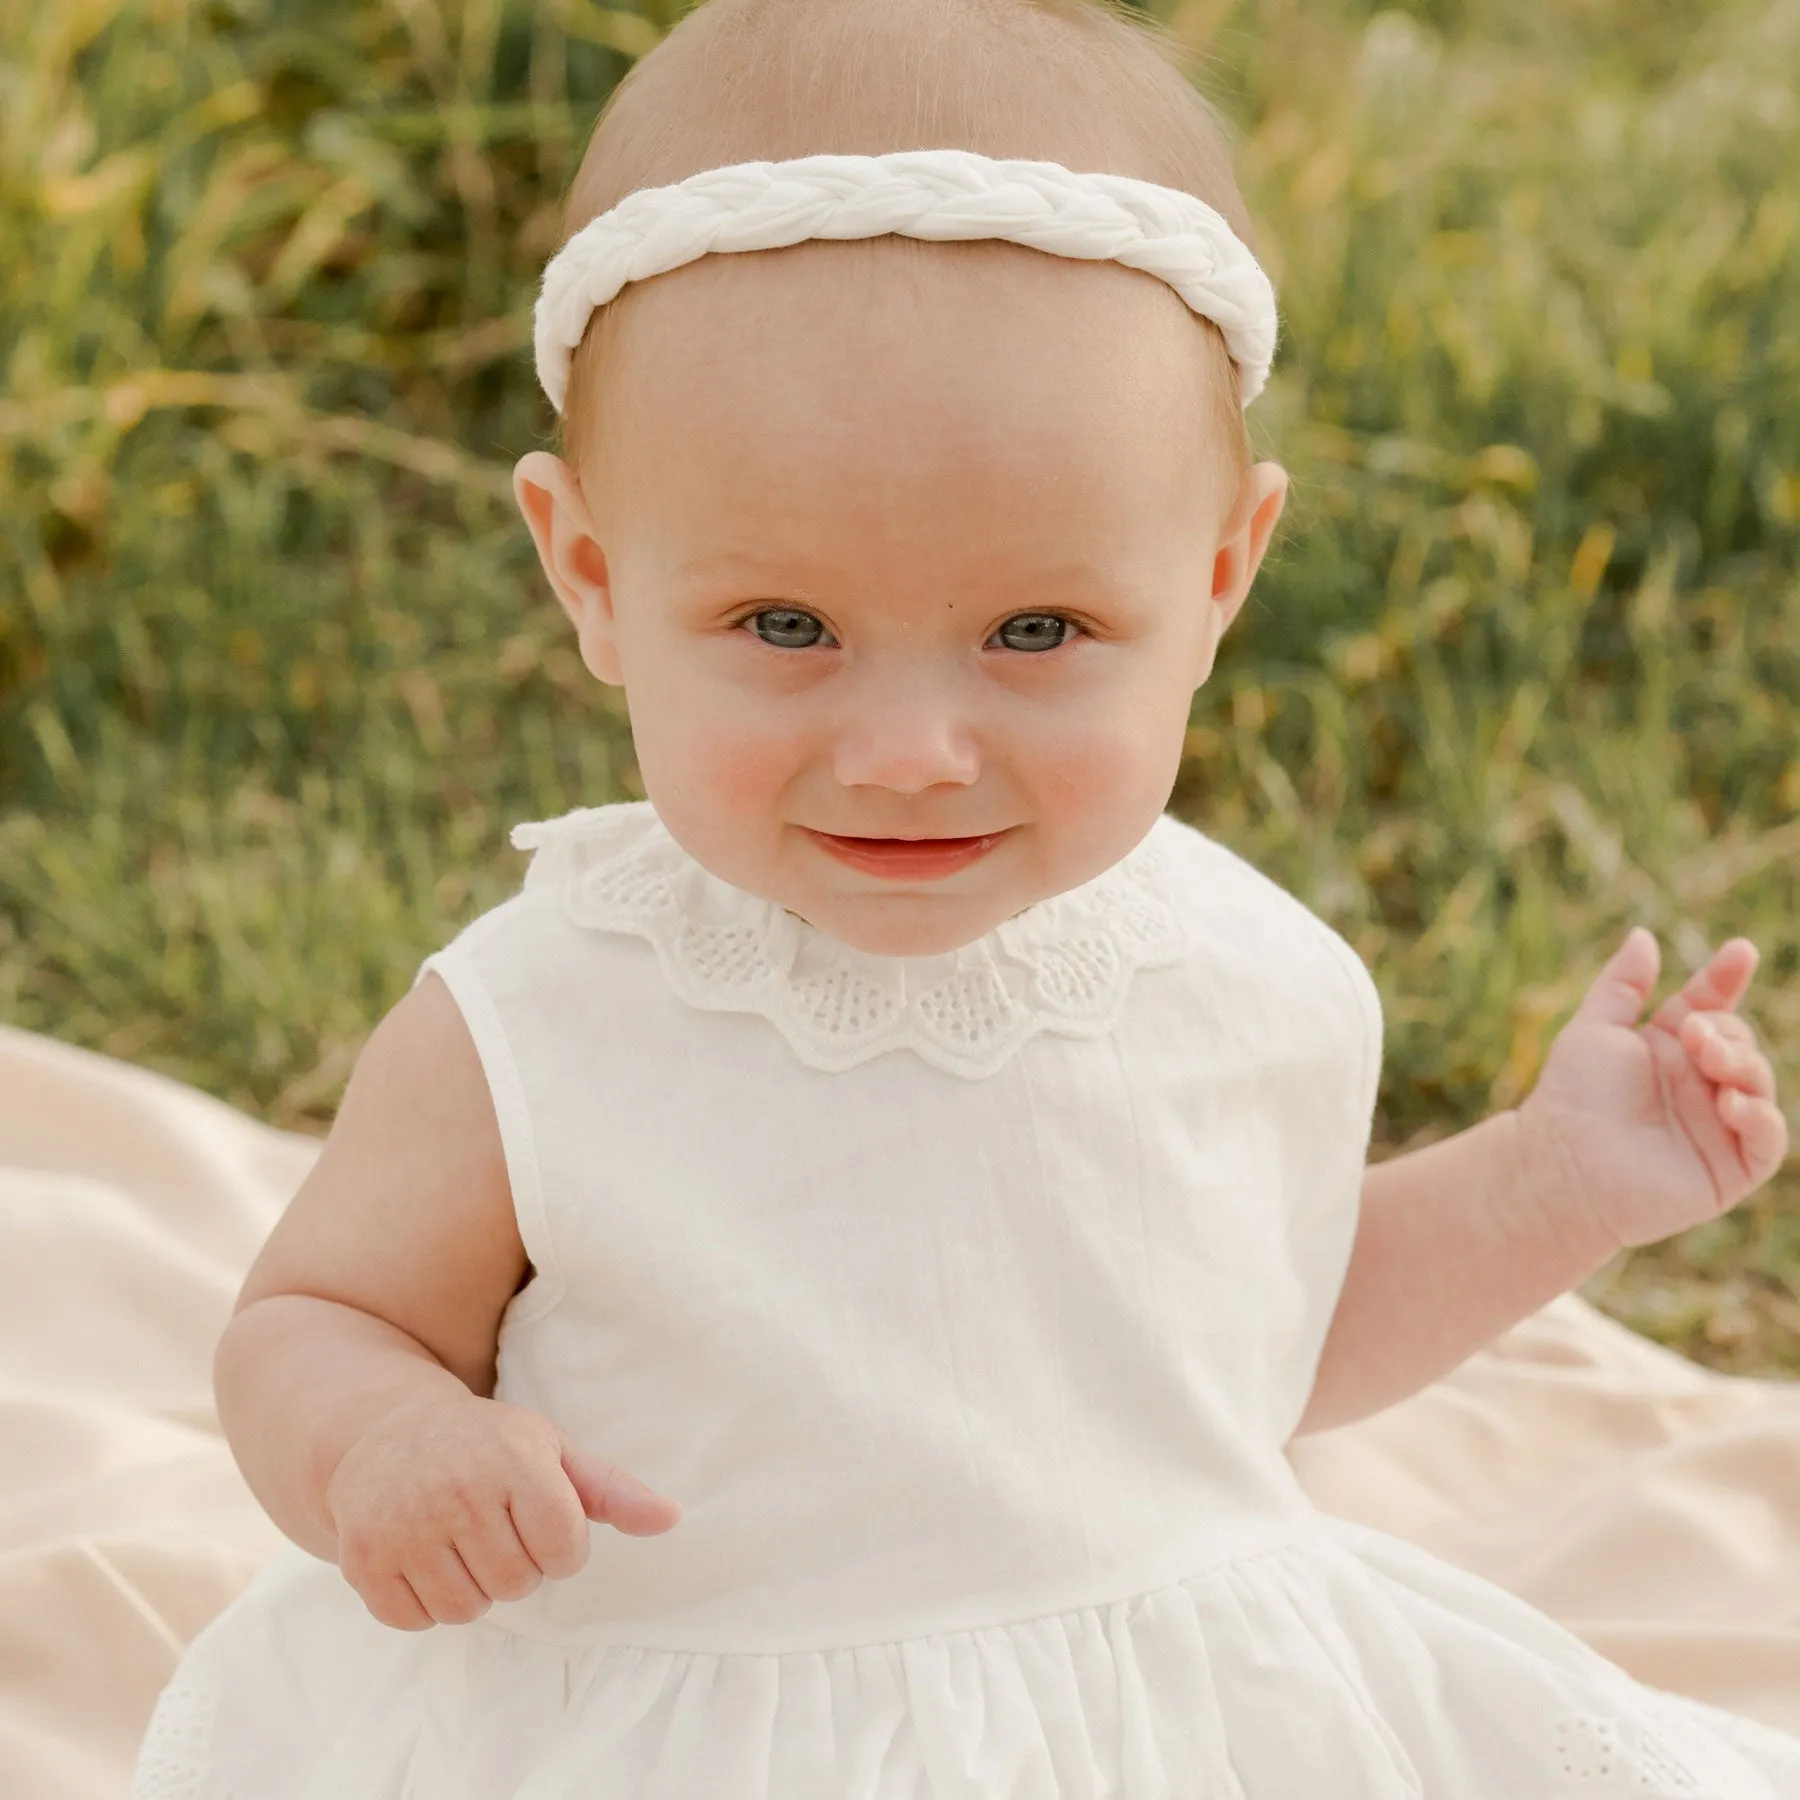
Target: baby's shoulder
578,861
1248,932
609,929
623,837
1230,885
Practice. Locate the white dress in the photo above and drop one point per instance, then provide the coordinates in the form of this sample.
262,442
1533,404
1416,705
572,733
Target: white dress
966,1304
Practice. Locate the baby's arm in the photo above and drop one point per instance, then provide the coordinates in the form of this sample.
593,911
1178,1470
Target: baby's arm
385,1278
1632,1134
1456,1243
353,1377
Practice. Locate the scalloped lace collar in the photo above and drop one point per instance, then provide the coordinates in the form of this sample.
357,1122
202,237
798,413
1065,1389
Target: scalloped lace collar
1062,965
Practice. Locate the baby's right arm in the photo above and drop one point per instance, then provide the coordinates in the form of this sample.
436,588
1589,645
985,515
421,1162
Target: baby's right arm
354,1377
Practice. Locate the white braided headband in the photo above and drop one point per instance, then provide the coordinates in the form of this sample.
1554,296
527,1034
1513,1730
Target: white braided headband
937,194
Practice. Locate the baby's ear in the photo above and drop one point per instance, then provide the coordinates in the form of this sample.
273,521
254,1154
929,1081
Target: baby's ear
556,511
1245,535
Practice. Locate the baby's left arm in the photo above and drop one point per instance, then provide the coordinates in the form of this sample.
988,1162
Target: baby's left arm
1632,1134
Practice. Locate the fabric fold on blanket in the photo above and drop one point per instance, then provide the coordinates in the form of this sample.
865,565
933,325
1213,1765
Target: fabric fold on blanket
1650,1505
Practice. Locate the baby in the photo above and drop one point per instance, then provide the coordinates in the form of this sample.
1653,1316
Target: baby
932,1169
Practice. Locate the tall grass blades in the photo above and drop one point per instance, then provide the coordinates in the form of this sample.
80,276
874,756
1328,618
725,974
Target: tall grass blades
277,669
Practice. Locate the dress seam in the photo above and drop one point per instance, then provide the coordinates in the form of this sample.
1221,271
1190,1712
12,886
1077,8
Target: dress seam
1298,1535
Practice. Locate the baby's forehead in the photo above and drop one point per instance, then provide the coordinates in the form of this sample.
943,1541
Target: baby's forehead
876,396
856,309
910,273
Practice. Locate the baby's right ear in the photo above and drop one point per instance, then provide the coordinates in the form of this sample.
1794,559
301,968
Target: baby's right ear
556,510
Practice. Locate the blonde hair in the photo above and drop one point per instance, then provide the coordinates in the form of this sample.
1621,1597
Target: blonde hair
1091,84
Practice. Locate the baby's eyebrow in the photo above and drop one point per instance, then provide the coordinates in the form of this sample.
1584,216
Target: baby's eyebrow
799,574
738,562
1074,575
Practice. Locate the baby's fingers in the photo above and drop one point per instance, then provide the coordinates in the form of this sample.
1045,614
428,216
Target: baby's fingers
1761,1131
1719,985
392,1601
1723,1048
552,1528
445,1588
498,1560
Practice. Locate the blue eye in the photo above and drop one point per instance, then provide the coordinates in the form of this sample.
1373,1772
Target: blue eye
791,628
1037,631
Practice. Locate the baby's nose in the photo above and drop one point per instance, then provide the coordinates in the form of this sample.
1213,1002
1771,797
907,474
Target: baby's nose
908,736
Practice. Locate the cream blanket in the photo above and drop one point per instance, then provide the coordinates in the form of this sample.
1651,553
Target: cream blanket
1652,1506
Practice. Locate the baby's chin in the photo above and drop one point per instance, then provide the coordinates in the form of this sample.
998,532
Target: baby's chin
910,923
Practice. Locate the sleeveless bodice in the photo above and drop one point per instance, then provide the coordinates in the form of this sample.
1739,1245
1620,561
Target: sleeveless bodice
937,1290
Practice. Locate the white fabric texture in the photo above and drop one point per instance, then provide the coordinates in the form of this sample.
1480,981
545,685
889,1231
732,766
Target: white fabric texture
934,194
974,1389
1064,965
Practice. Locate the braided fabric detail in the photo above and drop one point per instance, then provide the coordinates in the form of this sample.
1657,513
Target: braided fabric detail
934,194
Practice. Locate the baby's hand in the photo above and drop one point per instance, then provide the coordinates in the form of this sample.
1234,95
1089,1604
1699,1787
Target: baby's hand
1644,1131
443,1507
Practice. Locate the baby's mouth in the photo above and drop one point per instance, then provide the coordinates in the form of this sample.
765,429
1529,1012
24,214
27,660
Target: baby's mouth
906,859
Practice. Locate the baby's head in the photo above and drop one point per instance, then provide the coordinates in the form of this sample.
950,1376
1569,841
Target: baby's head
897,539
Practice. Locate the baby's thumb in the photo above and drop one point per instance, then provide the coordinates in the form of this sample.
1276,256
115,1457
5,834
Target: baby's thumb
1621,988
611,1496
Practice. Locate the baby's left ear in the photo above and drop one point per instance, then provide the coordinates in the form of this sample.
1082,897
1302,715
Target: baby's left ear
1249,525
556,511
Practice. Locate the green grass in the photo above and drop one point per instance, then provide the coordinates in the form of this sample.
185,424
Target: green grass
277,669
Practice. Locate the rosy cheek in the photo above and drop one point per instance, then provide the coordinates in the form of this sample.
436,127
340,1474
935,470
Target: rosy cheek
1084,783
744,754
1075,773
750,775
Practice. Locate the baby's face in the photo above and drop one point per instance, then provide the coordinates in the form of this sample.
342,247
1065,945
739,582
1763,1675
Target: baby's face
898,548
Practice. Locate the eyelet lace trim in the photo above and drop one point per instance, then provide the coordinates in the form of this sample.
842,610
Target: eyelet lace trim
1647,1750
171,1760
1063,965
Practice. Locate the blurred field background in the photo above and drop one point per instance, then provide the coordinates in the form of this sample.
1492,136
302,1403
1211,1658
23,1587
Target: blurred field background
277,669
